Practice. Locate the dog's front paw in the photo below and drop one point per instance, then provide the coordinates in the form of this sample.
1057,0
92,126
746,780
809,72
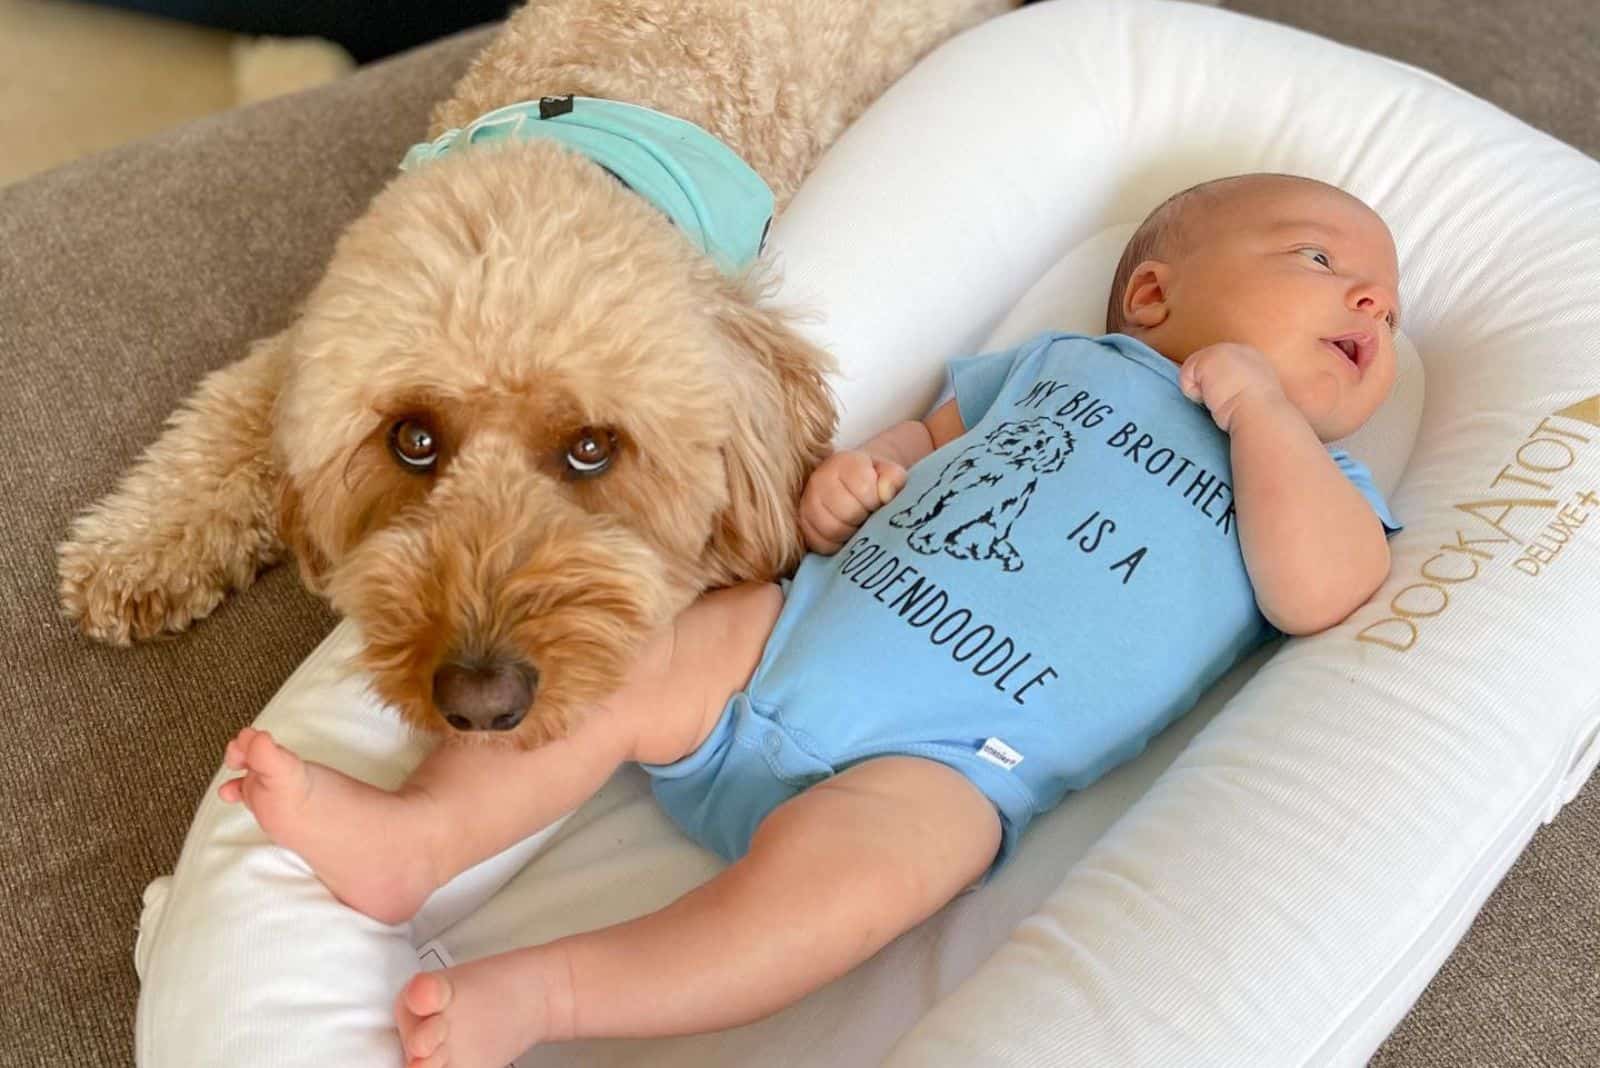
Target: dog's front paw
126,589
926,542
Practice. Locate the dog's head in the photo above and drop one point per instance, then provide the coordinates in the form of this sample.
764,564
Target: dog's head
1041,445
525,423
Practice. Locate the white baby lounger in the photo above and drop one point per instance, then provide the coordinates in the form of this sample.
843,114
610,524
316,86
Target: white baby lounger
1276,879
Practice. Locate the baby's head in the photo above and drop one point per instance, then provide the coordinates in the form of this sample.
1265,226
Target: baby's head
1302,271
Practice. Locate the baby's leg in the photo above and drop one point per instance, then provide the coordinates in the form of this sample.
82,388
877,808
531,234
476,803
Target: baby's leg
383,853
831,877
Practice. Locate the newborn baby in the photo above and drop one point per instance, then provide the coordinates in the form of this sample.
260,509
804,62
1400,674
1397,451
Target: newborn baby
1033,581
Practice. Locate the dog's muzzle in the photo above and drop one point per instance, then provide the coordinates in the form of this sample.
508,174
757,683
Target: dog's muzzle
491,695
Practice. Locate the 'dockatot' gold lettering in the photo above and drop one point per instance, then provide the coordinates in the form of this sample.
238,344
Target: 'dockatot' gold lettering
1540,527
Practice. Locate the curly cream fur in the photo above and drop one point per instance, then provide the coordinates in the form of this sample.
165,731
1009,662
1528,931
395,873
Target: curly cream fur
514,296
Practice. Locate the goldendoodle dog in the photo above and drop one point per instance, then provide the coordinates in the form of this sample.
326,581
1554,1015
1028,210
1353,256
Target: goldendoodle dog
526,415
968,511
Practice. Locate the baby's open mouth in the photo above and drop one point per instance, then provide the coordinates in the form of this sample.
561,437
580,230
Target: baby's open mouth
1357,348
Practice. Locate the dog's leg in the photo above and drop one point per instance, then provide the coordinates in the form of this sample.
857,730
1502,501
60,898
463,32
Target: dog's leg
921,510
956,478
929,541
1006,553
1001,548
191,521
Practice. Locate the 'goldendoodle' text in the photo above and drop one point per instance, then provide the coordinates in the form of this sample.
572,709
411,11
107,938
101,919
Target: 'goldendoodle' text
926,607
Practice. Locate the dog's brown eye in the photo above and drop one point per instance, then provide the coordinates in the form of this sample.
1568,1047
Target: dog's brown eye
413,444
590,453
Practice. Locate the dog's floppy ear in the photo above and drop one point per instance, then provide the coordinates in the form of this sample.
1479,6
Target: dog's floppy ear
782,426
292,532
1060,439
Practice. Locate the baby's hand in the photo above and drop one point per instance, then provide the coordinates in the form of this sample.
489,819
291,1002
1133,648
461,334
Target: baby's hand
844,489
1225,375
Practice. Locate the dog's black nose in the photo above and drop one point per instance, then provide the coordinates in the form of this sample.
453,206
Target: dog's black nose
479,695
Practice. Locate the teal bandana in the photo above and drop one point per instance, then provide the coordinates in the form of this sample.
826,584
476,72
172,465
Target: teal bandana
700,183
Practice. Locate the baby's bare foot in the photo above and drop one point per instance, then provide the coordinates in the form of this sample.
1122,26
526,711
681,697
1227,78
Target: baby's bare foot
366,845
481,1014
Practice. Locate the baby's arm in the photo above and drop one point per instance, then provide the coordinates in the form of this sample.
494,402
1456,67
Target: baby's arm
853,483
1313,546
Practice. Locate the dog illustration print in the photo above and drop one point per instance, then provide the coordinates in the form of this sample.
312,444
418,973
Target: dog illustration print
969,509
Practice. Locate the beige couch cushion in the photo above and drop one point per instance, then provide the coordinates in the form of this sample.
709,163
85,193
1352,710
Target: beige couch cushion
123,279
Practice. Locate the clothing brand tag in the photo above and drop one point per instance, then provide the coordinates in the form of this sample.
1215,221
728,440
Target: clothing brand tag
997,752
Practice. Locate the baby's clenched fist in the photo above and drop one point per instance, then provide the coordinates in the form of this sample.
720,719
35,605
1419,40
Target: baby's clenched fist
844,489
1225,376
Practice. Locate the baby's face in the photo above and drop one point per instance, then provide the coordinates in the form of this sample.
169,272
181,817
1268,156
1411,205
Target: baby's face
1307,275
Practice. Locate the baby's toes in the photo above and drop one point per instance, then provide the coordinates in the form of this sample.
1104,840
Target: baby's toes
440,1058
427,1037
426,994
274,786
266,758
233,755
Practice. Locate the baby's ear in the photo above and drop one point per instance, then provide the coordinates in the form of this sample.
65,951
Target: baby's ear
1144,301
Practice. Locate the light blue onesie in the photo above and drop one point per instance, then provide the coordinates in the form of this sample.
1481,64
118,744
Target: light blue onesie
1047,592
